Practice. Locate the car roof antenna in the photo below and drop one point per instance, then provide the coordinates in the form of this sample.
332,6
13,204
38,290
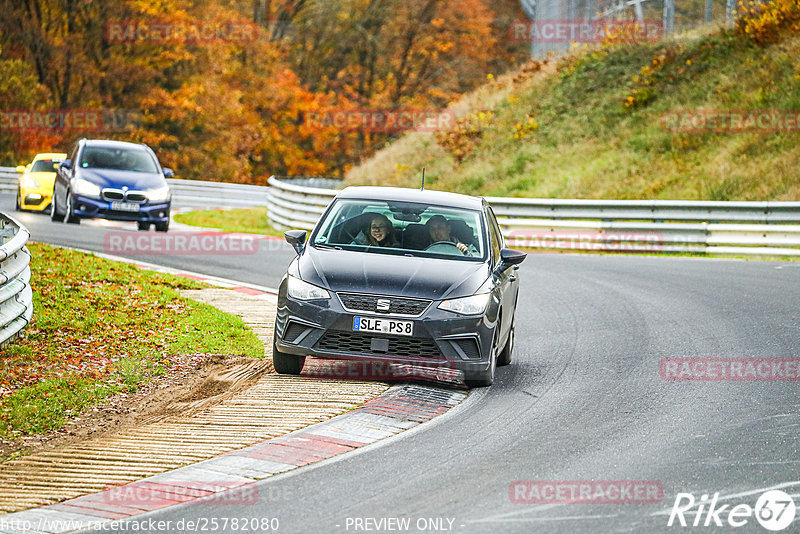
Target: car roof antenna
423,180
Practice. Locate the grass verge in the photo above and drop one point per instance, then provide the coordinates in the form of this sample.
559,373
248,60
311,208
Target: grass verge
596,125
245,220
101,328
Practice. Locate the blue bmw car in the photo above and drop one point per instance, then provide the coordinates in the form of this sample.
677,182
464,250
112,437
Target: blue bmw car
112,180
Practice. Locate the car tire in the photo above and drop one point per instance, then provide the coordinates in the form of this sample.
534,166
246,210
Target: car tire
53,209
18,207
143,226
505,355
162,227
286,364
68,215
485,378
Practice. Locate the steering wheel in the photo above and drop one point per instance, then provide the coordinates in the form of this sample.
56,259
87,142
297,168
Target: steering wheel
432,247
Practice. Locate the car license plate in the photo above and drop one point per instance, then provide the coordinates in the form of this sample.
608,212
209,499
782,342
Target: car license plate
379,325
124,206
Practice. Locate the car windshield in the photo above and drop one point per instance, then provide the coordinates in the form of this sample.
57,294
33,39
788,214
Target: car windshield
123,159
45,165
403,228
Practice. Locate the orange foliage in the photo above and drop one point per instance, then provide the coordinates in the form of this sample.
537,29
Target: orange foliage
764,22
235,110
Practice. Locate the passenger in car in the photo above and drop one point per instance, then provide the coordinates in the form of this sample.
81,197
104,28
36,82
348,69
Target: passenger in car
379,233
439,230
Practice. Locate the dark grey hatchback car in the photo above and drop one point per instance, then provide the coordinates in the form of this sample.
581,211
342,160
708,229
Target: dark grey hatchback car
403,276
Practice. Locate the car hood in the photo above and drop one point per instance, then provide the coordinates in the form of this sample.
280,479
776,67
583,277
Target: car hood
44,179
118,179
385,274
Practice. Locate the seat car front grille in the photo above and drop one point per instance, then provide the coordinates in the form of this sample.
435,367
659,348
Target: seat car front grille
359,302
343,341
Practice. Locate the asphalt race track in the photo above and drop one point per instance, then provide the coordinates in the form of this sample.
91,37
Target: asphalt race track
583,400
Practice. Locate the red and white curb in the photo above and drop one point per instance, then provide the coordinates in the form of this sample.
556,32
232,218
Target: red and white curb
232,477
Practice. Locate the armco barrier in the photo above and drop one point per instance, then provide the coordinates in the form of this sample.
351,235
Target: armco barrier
8,180
16,297
184,192
746,228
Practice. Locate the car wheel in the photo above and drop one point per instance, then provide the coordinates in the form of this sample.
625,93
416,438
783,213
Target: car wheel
162,227
143,226
485,378
18,206
53,210
69,217
286,364
505,355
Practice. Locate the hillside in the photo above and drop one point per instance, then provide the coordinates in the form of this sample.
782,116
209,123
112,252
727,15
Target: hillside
592,125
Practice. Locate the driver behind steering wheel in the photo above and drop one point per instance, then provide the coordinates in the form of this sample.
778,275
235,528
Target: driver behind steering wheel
439,230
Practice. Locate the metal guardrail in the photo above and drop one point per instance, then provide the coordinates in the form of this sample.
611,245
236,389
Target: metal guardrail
216,194
746,228
184,192
8,180
16,297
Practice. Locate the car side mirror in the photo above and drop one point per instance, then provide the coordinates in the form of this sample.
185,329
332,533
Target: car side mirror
510,257
20,168
168,173
66,164
296,238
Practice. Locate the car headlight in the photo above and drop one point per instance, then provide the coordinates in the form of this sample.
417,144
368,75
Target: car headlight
85,187
29,181
301,290
474,305
159,193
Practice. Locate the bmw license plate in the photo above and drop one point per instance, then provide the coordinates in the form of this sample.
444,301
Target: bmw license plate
124,206
379,325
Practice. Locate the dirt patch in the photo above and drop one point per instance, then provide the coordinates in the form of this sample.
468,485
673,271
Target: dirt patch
193,383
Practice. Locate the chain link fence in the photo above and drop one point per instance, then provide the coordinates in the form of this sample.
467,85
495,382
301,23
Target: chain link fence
554,26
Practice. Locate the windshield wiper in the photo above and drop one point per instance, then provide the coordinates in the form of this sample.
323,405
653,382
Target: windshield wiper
326,246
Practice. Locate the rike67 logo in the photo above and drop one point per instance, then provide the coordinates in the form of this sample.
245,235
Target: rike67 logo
774,510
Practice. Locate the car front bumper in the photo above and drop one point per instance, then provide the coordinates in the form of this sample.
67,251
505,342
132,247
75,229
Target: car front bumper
35,198
91,208
324,329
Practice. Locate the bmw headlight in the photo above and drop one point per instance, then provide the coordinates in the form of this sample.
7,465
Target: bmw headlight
301,290
85,188
29,181
158,194
474,305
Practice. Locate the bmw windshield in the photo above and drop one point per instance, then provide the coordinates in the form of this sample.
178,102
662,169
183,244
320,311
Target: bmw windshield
402,228
122,159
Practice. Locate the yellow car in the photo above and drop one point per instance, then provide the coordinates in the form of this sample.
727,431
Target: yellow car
35,187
